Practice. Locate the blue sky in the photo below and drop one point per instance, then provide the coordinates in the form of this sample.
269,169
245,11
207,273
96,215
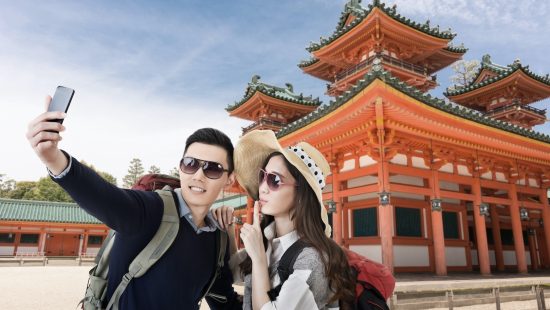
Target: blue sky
148,74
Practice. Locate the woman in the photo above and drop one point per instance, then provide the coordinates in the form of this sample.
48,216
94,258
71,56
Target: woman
287,184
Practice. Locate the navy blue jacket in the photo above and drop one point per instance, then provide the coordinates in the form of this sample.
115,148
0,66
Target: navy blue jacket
179,278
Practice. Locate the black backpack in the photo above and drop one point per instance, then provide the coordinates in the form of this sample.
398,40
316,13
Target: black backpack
369,298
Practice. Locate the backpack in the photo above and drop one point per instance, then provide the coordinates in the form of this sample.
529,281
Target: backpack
374,281
96,289
152,182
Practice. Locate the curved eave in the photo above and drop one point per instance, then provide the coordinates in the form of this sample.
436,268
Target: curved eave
232,109
318,70
461,112
249,106
360,19
308,63
444,57
498,81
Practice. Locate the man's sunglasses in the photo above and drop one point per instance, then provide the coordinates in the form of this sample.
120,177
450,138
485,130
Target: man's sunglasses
273,180
211,169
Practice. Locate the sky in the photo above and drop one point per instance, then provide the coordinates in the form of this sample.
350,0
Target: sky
148,74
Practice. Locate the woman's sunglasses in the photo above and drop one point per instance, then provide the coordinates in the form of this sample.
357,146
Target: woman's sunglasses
211,169
273,180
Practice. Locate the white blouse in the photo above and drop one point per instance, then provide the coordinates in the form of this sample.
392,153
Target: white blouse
305,288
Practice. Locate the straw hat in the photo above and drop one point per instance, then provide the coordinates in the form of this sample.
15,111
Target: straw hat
253,149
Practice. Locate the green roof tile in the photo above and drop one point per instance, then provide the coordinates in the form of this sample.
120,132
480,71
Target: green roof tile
501,71
286,94
354,7
378,72
44,211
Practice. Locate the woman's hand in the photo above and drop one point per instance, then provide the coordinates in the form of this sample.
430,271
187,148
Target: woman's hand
252,237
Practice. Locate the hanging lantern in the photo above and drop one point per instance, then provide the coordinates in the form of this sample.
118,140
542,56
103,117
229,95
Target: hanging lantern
524,214
484,209
331,206
384,198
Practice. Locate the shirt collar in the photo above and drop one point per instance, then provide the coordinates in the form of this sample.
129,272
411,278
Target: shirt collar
210,223
285,241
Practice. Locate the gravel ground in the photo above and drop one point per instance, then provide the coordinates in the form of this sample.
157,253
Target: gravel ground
62,287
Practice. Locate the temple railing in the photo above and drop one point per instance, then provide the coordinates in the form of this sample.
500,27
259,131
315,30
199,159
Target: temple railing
262,121
516,106
385,59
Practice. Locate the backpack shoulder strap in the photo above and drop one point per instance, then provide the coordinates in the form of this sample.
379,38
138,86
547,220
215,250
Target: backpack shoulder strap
221,245
286,266
153,251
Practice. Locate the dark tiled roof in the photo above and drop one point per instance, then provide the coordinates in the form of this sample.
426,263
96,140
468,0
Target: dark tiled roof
309,62
379,73
280,93
44,211
501,71
361,13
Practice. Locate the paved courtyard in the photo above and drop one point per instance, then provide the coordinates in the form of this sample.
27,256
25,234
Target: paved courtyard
61,287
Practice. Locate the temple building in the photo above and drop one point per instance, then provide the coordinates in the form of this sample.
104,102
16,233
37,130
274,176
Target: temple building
41,228
419,183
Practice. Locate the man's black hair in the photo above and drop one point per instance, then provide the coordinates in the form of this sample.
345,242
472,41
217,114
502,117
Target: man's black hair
213,136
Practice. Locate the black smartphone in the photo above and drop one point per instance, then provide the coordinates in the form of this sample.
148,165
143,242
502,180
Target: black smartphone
61,101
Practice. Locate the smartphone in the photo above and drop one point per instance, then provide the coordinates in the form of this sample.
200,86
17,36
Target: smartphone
61,101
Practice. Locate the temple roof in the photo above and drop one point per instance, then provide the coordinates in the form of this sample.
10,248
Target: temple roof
501,72
353,7
440,104
286,94
44,211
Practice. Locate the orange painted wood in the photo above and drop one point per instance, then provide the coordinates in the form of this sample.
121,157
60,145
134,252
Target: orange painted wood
495,225
517,231
481,235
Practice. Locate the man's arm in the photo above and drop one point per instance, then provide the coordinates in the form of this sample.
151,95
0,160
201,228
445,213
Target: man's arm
122,210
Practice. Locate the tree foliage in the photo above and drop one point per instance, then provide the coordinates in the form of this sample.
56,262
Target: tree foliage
154,169
465,71
174,172
45,189
135,171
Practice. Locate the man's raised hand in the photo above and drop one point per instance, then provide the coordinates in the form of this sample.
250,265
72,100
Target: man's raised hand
43,139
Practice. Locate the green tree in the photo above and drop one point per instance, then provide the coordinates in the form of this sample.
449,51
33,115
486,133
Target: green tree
135,171
154,169
175,172
6,185
23,190
464,72
107,176
47,190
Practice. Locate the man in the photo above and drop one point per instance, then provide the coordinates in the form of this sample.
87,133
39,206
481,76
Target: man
180,276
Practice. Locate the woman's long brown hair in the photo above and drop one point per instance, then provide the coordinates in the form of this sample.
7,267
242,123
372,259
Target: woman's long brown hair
306,216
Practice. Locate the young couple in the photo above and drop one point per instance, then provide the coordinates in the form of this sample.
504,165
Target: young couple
288,185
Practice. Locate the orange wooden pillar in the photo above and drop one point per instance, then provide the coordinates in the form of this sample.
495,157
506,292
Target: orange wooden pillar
481,233
337,216
437,229
85,242
249,210
546,225
517,230
385,218
533,250
495,223
41,241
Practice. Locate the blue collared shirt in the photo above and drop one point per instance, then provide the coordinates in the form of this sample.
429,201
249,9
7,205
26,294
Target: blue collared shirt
210,223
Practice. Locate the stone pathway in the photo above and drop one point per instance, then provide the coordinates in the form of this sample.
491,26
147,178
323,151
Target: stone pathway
62,287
